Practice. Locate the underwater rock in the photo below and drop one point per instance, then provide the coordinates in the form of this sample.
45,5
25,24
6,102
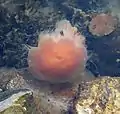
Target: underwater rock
93,97
101,96
17,102
5,76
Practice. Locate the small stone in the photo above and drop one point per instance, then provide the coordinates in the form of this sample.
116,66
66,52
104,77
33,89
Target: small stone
102,24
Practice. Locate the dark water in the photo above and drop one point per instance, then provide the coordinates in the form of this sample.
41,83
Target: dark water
20,22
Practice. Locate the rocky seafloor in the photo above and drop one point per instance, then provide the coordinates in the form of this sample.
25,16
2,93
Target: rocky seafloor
20,24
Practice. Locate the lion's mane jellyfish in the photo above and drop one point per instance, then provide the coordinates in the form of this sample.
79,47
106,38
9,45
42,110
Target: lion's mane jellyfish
102,24
60,56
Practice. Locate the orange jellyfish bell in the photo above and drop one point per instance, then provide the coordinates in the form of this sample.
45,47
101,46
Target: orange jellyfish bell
60,55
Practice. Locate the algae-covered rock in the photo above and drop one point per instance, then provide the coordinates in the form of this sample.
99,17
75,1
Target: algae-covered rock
17,102
101,96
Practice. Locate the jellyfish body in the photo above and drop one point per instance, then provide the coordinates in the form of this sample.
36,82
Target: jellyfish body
60,56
